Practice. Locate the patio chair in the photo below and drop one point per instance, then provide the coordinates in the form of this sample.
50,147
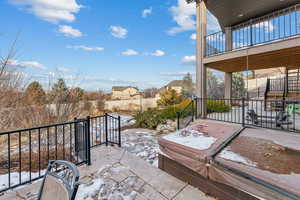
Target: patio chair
60,181
282,118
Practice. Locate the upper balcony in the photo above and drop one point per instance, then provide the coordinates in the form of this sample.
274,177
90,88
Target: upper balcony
276,26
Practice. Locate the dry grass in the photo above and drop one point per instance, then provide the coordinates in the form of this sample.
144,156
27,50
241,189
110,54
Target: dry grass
37,161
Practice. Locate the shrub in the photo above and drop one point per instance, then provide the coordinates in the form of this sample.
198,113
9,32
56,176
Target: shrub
153,117
217,106
149,119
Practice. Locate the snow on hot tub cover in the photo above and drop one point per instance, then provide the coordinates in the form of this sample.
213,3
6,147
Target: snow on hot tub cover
272,156
192,146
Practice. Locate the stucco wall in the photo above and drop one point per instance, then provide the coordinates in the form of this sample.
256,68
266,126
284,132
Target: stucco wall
125,94
259,82
131,104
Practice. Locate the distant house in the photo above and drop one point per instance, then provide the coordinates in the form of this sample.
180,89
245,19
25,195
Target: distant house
124,92
177,85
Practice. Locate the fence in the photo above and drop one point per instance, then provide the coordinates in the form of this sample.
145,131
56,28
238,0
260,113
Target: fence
278,25
25,153
186,116
279,114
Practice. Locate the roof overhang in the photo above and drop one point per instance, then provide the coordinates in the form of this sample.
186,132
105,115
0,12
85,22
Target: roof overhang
232,12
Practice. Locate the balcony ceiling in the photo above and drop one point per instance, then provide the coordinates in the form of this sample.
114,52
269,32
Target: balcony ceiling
232,12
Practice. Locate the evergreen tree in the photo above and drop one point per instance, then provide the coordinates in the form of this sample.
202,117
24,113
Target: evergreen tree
188,85
60,86
35,93
60,92
238,85
78,93
168,98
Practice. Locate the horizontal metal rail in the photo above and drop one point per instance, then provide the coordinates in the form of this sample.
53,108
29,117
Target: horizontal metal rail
25,153
272,114
276,26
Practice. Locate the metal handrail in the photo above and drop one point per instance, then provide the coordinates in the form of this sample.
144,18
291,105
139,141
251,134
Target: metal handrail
275,26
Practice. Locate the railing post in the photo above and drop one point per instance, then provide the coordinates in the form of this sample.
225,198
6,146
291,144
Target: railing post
106,129
196,108
251,34
193,109
178,118
88,140
243,111
75,137
119,130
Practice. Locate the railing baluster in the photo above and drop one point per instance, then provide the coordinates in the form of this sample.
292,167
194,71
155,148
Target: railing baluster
71,141
9,161
20,157
55,130
63,142
30,155
39,147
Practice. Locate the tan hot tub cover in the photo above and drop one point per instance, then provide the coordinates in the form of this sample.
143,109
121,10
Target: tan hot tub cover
193,158
272,156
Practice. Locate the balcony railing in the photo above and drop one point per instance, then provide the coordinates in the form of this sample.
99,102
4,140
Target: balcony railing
275,26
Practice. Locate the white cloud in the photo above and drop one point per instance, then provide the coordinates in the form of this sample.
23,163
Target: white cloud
63,69
193,36
29,64
212,24
147,12
69,31
85,48
52,11
184,16
130,52
157,53
118,31
189,60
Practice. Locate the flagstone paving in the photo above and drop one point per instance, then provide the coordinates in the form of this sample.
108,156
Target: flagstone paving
116,174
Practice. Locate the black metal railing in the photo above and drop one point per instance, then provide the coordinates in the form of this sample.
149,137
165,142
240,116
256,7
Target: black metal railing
280,114
215,43
105,129
186,116
278,25
256,93
24,154
293,84
277,84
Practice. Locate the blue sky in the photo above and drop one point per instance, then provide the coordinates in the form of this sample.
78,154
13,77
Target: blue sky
96,44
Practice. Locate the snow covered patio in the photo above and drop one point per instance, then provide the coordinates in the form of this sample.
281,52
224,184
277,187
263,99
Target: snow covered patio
128,173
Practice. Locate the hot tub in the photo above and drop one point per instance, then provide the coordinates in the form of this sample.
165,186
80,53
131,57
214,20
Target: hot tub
231,162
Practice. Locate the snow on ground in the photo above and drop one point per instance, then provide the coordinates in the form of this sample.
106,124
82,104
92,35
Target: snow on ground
143,143
114,182
232,156
191,138
14,178
126,120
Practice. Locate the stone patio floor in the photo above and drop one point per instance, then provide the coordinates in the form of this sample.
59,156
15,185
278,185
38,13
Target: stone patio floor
116,174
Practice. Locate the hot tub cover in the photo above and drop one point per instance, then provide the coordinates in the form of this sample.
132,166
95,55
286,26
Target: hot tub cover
268,155
193,145
272,156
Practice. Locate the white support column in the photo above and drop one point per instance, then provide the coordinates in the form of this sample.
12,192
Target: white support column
228,43
228,85
201,70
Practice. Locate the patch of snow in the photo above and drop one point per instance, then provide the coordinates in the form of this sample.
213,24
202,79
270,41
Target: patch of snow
118,169
229,155
126,120
142,132
88,191
119,195
14,178
195,140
